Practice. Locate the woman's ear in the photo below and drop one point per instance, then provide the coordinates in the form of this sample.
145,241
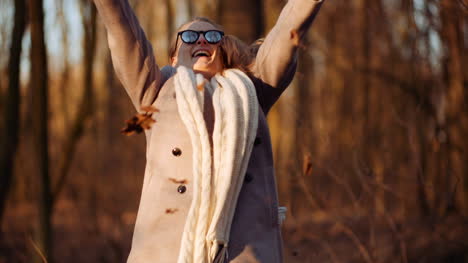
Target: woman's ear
173,61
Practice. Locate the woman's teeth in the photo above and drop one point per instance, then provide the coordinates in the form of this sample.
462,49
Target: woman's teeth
201,53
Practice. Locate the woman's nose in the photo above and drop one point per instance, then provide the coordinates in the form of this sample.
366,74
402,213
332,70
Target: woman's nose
201,40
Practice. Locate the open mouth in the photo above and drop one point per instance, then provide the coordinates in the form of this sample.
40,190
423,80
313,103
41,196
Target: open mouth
201,53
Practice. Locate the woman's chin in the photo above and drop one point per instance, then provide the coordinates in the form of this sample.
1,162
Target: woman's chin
201,63
207,74
206,69
207,66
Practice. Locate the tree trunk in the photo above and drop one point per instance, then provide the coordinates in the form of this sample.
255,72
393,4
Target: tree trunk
86,105
11,119
66,69
242,18
169,21
39,89
456,121
303,132
370,127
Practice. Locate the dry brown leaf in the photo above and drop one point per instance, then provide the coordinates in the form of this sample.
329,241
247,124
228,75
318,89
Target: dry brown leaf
182,181
201,86
140,122
307,165
297,39
171,211
148,109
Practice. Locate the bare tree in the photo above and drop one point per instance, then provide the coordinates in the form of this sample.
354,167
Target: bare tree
455,122
86,106
9,138
242,18
66,69
39,89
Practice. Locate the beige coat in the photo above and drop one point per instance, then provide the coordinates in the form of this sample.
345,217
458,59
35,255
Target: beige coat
167,190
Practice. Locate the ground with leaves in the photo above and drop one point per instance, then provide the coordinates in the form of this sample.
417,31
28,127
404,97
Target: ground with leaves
81,236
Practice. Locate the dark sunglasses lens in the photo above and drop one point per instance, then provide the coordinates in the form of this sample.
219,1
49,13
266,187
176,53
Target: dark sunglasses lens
213,36
189,36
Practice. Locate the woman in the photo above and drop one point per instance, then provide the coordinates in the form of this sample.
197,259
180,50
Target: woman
209,192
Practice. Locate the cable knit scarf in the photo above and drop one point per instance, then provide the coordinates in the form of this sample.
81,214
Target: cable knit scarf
218,177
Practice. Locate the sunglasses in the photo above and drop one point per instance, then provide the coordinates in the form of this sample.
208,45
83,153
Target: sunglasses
191,36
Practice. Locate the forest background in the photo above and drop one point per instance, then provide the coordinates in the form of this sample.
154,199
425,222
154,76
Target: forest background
369,139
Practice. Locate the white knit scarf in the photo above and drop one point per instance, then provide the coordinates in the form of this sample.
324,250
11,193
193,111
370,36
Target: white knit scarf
217,177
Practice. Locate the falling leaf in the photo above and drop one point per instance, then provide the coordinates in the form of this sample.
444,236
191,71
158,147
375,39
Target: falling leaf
201,86
297,39
307,165
183,181
300,75
148,109
140,122
171,211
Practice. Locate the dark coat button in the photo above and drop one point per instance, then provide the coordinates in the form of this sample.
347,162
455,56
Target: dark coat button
248,178
257,141
181,189
176,152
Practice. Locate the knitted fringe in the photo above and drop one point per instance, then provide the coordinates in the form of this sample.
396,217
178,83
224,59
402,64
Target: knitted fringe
222,256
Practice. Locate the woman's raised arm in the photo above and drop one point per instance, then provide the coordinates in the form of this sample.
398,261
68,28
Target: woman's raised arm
275,63
132,54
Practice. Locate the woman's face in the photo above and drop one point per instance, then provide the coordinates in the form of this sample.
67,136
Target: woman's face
201,56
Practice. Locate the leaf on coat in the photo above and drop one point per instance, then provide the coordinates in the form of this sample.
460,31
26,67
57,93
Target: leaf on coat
183,181
307,165
171,211
296,39
201,86
140,122
148,109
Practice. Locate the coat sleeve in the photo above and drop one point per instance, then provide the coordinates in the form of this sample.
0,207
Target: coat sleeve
131,52
276,60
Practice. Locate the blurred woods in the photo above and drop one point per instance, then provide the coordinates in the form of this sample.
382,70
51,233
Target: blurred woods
369,143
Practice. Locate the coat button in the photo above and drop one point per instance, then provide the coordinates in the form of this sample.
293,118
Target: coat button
176,152
181,189
248,178
257,141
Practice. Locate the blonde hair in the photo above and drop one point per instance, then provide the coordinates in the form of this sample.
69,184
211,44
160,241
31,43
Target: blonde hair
234,52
